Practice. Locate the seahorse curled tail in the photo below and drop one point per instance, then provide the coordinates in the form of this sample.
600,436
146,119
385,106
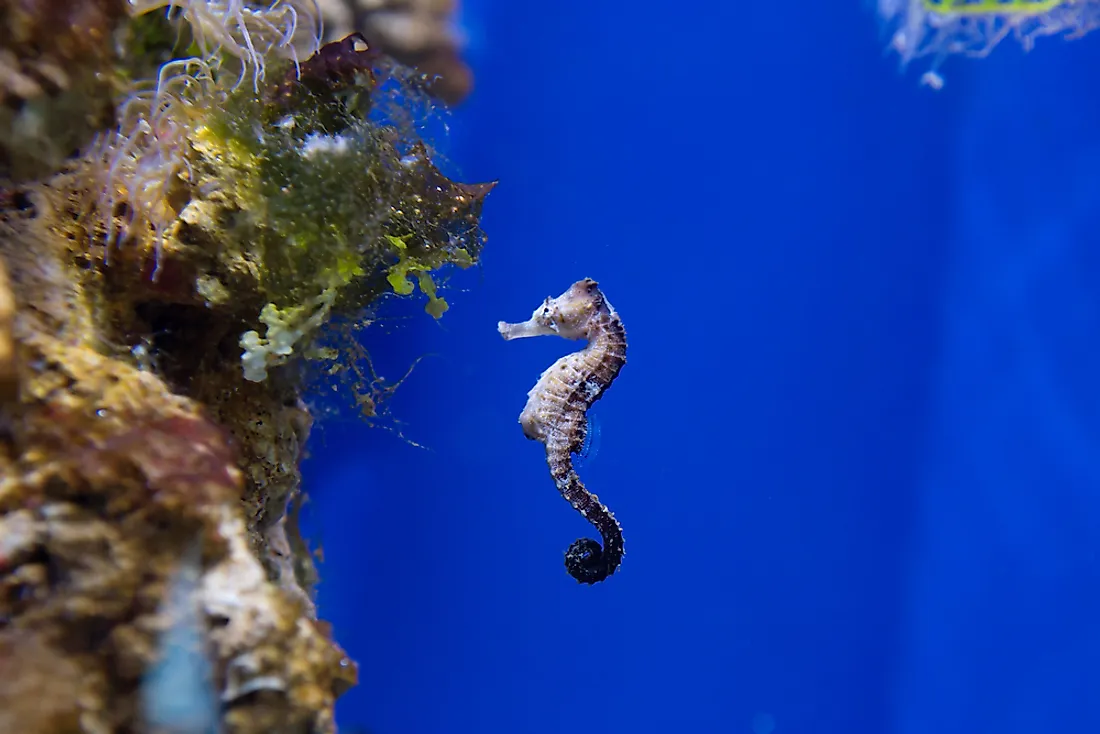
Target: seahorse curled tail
585,560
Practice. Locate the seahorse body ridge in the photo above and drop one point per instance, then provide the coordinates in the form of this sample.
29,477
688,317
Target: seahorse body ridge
557,407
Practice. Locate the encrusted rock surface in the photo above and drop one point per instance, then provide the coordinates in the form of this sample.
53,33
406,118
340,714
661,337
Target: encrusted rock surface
420,33
108,476
8,381
52,96
138,444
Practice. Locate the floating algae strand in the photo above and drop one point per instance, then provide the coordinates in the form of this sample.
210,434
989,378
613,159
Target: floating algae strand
943,28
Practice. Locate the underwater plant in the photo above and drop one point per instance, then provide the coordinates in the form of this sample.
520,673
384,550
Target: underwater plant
248,32
143,159
140,163
323,194
943,28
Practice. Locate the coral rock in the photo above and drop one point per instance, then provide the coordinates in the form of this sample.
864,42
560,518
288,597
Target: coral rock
110,475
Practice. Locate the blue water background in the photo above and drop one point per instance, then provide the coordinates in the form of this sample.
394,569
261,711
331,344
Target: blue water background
854,449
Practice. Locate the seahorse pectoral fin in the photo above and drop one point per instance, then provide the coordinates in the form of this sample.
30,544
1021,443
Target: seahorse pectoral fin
522,330
589,440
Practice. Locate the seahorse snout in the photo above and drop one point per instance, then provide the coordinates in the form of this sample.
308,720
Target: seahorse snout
524,329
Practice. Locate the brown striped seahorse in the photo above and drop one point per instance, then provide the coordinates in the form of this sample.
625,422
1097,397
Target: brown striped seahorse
555,414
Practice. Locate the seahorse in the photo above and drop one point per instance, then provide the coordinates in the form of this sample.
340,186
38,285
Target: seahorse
557,407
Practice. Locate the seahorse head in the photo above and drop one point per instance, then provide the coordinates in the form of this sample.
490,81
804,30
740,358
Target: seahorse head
570,315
